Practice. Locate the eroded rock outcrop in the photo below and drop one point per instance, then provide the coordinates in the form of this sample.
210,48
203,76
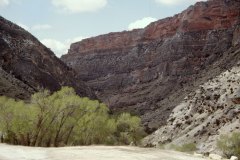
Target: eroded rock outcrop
26,65
149,71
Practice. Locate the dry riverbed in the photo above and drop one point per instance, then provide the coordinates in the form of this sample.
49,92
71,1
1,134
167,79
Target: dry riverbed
8,152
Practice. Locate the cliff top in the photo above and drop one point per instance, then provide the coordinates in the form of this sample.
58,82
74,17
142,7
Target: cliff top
210,15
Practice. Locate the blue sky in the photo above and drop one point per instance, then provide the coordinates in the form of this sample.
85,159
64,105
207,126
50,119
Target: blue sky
58,23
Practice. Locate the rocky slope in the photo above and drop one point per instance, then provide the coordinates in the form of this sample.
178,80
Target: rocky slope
149,71
26,65
212,110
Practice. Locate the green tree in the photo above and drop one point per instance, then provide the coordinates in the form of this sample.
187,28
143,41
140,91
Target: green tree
129,129
16,121
64,118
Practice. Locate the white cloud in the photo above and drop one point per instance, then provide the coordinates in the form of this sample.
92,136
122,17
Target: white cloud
23,26
41,27
176,2
35,27
76,6
141,23
58,47
4,3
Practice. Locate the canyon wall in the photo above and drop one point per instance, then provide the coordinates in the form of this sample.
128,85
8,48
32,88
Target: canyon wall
149,71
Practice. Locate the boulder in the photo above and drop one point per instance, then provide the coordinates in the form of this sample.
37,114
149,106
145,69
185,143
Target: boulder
198,155
234,158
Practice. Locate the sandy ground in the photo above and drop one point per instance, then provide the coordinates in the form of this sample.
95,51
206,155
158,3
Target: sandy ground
8,152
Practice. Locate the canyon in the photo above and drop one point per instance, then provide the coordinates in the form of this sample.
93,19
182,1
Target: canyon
149,71
180,74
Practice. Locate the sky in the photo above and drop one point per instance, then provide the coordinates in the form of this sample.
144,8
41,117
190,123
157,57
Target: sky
58,23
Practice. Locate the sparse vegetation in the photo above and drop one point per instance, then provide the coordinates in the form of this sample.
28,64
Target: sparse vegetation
188,147
230,144
161,146
64,118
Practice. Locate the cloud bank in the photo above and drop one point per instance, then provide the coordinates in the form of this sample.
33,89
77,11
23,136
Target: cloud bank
56,46
141,23
59,47
76,6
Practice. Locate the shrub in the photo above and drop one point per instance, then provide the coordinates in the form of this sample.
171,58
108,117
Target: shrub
64,118
230,144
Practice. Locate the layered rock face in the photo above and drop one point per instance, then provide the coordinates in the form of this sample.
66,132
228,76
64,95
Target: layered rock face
27,66
149,71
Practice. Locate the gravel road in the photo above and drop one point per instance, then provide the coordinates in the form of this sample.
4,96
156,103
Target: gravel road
8,152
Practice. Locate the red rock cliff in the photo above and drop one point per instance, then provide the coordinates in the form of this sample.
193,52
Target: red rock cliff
214,14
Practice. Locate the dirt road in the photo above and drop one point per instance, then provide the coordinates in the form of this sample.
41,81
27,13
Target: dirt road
8,152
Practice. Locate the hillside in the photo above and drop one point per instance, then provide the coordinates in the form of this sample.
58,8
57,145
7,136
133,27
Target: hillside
204,114
27,66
